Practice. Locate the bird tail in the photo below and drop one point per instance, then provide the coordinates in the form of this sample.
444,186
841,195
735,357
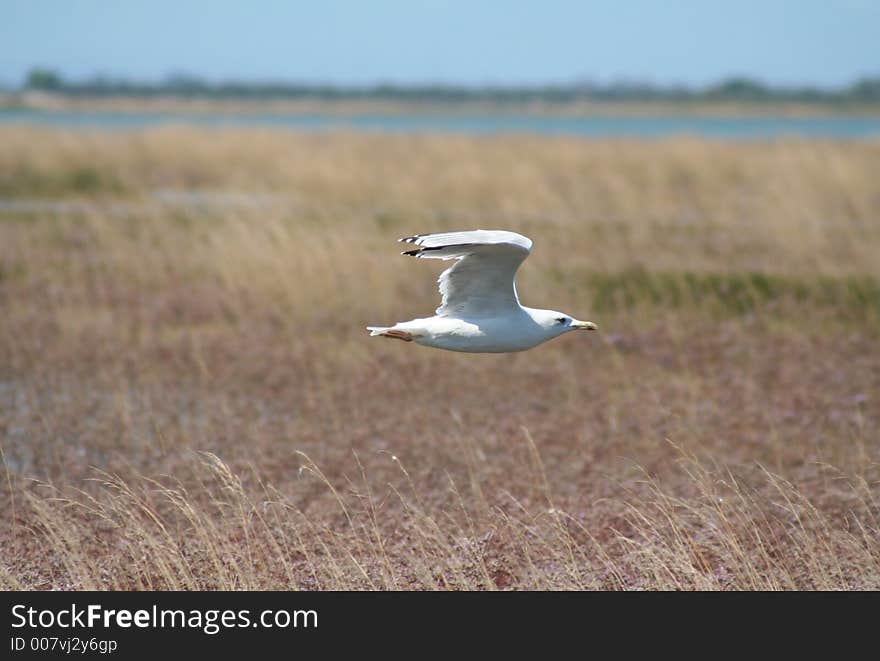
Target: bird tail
393,332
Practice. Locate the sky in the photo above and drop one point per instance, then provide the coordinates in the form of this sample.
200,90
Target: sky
822,42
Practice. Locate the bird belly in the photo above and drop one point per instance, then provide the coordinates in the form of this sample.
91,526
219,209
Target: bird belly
477,336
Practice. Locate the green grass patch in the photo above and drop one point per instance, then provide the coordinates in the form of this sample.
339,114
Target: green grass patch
84,180
853,297
10,271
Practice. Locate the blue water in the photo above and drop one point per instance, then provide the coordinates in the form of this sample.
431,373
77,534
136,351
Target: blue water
475,124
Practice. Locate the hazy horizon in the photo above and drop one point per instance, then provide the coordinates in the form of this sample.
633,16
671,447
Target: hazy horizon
437,42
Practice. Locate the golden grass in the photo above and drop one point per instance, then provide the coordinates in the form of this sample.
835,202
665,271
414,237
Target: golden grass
188,398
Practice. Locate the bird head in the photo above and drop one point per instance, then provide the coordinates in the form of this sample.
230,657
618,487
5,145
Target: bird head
559,322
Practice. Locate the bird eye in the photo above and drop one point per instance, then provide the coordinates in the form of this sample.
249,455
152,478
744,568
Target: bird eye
561,320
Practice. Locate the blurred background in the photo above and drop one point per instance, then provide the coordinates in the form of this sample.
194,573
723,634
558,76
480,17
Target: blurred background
561,67
199,203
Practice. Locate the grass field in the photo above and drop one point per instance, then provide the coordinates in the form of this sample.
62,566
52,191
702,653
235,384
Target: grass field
189,400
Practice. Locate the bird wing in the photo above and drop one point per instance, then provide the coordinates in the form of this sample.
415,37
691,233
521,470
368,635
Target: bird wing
482,282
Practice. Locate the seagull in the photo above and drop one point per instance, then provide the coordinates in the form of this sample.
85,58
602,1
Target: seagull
480,311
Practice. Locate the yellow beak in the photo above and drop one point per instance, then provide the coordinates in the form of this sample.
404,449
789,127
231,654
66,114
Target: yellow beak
584,325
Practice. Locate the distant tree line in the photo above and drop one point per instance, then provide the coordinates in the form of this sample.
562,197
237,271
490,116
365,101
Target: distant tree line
740,89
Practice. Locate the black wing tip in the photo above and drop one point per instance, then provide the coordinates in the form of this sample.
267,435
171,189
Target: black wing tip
410,239
419,251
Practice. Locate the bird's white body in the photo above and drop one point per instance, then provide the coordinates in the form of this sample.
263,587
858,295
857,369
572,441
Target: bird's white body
480,312
497,334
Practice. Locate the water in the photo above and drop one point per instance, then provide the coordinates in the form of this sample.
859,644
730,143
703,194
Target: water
644,126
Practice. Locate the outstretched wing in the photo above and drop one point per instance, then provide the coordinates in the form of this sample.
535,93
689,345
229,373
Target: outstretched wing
482,281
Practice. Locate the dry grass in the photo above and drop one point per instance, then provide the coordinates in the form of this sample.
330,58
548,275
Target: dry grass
188,398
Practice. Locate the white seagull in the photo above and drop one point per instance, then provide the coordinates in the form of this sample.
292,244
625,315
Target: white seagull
480,311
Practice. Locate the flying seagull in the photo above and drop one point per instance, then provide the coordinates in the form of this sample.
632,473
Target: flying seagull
480,311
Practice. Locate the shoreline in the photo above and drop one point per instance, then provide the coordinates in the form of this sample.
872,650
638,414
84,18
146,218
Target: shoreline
40,101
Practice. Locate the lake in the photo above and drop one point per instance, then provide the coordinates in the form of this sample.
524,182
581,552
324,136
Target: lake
644,126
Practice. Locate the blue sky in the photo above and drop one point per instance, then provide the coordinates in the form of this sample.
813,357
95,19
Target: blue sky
809,41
